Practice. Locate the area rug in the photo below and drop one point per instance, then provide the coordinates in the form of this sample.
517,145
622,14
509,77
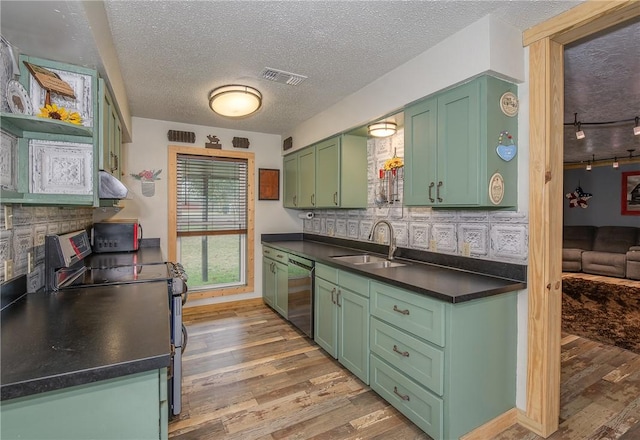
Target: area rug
608,313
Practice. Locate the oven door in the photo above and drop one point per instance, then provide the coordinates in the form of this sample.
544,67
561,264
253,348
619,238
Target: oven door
179,338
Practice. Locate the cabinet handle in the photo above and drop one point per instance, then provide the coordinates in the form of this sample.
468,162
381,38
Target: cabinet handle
431,185
403,397
438,191
404,312
294,200
116,165
401,353
273,267
279,255
313,200
335,198
333,291
338,298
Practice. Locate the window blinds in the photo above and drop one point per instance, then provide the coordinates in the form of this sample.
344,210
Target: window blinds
211,195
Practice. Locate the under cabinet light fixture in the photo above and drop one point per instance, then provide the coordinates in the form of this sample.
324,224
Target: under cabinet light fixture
382,129
235,100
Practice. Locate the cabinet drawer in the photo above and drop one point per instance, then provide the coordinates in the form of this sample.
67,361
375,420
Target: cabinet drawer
327,273
419,405
415,358
353,282
275,254
417,314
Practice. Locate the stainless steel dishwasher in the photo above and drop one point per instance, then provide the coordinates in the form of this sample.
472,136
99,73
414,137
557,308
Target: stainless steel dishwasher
300,293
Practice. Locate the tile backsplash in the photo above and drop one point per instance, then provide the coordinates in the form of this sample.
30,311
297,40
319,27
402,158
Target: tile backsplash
489,235
30,225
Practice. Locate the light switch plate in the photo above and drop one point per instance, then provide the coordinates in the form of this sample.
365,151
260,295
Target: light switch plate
8,269
466,249
433,246
29,262
8,217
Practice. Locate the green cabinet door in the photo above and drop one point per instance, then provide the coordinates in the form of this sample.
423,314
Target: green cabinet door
290,166
353,331
281,289
307,178
420,159
328,173
128,407
451,142
268,281
326,316
458,155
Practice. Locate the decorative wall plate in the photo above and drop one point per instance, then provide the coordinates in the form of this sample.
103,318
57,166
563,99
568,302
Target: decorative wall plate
509,104
18,98
496,188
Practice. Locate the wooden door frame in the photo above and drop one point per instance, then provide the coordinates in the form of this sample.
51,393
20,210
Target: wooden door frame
546,109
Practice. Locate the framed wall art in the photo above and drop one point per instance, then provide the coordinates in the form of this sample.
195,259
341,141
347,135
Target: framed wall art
630,193
268,184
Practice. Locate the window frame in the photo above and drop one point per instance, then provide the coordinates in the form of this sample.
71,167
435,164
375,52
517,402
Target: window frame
172,236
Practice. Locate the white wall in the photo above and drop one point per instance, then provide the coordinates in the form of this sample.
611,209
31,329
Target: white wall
486,46
149,151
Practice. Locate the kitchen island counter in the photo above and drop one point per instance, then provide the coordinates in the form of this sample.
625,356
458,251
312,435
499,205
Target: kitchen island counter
79,336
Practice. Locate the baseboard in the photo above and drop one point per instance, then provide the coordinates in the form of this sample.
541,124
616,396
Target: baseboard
209,308
530,424
493,427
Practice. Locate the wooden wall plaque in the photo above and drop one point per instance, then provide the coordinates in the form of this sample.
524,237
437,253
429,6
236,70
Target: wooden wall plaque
268,184
49,81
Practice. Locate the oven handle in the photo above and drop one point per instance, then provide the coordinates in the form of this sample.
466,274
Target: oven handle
185,293
185,338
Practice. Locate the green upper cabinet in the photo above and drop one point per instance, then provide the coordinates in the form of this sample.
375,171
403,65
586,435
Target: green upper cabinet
110,133
329,174
451,142
51,161
290,178
307,178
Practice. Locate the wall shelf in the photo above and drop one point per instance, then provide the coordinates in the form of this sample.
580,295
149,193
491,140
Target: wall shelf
36,124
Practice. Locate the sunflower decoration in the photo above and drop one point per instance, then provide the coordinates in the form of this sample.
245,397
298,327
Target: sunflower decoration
393,163
52,111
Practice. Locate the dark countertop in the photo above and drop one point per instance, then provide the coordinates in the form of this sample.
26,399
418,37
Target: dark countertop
440,282
78,336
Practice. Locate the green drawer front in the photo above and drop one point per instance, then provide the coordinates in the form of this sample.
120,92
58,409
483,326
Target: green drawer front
275,254
417,314
327,273
418,360
355,283
419,405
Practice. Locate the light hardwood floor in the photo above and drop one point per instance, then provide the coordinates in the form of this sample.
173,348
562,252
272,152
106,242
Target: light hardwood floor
250,375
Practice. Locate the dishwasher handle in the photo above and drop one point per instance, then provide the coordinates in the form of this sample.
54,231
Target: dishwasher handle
311,268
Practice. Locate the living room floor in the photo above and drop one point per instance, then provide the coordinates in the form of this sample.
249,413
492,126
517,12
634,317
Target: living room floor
249,374
603,279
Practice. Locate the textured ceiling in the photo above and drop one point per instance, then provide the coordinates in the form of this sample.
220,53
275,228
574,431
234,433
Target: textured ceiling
602,83
173,53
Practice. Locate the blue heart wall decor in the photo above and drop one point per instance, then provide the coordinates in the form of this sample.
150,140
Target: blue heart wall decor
507,152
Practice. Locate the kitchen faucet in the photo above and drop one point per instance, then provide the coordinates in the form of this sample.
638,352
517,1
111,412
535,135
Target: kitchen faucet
392,238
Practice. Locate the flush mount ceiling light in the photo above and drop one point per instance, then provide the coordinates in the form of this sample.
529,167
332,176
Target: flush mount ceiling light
382,129
235,100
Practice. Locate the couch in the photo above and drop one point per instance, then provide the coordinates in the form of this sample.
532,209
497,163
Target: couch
606,250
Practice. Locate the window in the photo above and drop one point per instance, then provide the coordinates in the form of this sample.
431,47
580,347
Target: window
211,219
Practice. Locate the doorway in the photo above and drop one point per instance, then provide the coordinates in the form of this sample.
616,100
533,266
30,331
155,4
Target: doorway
546,43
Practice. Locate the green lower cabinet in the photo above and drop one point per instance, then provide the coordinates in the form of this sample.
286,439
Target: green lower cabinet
275,289
449,368
128,407
342,318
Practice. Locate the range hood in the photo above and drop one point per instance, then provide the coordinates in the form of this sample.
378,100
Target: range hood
110,187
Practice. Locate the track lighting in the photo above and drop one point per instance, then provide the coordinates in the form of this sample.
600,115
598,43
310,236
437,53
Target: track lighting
616,164
590,162
636,129
589,166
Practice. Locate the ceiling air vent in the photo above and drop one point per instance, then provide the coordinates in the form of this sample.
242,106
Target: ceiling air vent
282,77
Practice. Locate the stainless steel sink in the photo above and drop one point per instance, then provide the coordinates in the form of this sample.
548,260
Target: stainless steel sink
369,261
360,259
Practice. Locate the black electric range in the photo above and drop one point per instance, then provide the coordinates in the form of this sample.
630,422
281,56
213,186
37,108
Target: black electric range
67,266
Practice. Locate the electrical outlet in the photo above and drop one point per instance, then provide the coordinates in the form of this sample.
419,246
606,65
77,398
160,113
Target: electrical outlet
30,262
8,269
8,217
466,249
433,246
